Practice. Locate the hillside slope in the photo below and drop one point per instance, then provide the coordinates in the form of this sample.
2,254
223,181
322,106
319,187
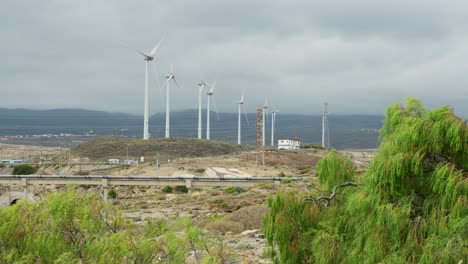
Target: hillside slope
104,148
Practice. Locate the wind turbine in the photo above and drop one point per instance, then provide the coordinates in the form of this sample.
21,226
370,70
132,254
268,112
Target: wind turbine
169,77
240,105
265,109
148,57
210,94
273,124
201,85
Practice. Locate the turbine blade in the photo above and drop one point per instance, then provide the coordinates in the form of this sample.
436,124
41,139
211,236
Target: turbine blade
245,114
216,108
173,78
153,51
142,53
165,83
172,69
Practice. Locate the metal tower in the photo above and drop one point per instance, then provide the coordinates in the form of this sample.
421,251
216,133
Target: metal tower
325,130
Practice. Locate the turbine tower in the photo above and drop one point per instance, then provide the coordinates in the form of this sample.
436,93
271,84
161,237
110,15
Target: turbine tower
325,131
201,85
148,57
169,77
264,113
273,124
239,122
210,94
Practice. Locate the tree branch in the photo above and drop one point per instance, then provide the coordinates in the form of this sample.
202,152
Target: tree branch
327,199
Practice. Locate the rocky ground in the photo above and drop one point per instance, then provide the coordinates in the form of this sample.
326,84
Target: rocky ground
233,215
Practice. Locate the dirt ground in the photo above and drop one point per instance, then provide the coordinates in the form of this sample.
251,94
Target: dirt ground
227,214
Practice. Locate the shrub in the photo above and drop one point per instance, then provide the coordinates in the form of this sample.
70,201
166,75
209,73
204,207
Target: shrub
24,169
281,174
249,217
181,189
167,189
234,190
223,226
2,165
285,181
313,146
221,203
112,194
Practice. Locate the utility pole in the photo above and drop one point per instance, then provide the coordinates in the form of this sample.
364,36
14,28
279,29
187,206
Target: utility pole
325,130
127,152
60,161
260,140
157,165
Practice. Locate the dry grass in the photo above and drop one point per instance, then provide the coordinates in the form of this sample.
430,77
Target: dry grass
246,218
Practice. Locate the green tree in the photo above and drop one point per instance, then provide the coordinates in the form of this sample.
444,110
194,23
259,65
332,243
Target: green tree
410,206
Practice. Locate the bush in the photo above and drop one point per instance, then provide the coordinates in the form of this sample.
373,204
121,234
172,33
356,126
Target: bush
313,146
221,203
112,194
281,174
285,181
24,169
249,217
167,189
2,165
181,189
234,190
223,226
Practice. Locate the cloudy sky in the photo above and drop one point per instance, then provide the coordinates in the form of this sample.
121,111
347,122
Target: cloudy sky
359,56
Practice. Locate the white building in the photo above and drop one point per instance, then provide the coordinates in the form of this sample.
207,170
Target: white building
289,143
114,161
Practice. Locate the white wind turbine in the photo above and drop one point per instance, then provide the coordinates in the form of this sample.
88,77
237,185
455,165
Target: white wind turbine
240,105
273,124
210,94
265,109
169,77
148,57
201,85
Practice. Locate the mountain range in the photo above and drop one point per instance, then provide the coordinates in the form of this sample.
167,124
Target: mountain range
346,131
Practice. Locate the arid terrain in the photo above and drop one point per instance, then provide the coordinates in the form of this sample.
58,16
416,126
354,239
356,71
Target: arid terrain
235,213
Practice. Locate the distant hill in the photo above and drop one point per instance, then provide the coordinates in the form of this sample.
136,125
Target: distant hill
103,148
346,131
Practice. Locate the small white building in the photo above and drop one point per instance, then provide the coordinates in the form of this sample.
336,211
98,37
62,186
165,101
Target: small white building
114,161
289,143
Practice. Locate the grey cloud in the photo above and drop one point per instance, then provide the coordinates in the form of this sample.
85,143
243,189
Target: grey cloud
358,55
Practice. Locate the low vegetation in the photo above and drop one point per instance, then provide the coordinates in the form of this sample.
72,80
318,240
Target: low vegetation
410,206
24,169
75,227
105,148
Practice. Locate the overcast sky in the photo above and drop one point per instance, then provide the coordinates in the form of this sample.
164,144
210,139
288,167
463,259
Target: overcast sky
359,56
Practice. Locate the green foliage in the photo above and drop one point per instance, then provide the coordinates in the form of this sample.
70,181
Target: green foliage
234,190
75,227
281,174
410,206
313,146
286,181
112,194
167,189
24,169
221,203
181,189
334,169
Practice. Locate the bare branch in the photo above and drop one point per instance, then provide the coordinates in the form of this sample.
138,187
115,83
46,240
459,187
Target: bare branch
327,199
